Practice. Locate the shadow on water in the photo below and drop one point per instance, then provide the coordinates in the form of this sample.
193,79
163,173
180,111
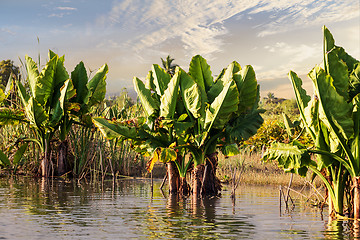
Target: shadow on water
128,209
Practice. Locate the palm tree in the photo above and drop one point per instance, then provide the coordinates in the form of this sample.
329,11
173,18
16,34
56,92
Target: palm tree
168,66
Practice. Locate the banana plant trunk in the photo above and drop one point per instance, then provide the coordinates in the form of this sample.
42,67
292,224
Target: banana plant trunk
197,179
184,187
45,163
356,183
212,185
62,158
173,177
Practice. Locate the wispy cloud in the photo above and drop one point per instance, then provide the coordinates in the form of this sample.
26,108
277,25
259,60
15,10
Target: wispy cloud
200,24
299,14
66,8
7,30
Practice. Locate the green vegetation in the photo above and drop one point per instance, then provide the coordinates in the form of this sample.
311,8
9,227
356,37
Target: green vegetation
191,113
331,118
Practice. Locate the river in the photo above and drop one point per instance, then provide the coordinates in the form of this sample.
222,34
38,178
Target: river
58,209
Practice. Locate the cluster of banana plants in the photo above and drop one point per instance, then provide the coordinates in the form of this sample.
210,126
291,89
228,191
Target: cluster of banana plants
52,101
332,119
191,114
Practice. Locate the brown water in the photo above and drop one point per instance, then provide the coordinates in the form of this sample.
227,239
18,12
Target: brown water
32,209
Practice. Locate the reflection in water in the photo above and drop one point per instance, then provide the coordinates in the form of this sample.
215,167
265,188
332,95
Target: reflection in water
46,209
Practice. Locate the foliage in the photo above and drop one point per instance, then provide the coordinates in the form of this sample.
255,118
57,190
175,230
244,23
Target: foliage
331,118
7,68
191,112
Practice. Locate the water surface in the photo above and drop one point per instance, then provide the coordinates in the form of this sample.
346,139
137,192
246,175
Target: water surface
34,209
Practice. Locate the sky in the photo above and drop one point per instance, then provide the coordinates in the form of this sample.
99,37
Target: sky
274,36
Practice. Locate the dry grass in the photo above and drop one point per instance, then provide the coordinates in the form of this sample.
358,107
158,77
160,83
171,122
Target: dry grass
257,172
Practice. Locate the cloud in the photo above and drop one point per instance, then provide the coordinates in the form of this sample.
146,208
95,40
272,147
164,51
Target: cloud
200,24
66,8
288,15
8,31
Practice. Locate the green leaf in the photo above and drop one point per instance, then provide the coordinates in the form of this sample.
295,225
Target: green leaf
161,79
4,160
24,96
191,95
60,76
220,110
2,96
45,84
20,153
338,71
290,157
354,87
167,155
113,130
245,126
302,100
335,111
230,150
9,116
200,71
227,76
97,87
32,72
248,89
170,97
79,78
35,113
149,104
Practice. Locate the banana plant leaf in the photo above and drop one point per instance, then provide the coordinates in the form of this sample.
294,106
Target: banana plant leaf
80,79
161,79
200,71
170,97
45,83
20,153
248,88
163,155
335,111
9,116
32,72
245,126
2,96
150,105
191,95
223,106
4,160
97,87
113,130
292,157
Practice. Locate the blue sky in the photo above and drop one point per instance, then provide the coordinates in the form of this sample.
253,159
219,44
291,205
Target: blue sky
274,36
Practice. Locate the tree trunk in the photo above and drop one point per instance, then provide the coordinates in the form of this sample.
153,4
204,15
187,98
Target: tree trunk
45,163
212,185
198,174
356,184
62,158
173,177
184,187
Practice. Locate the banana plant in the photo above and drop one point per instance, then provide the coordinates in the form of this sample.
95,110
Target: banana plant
54,101
190,112
331,118
223,111
157,133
